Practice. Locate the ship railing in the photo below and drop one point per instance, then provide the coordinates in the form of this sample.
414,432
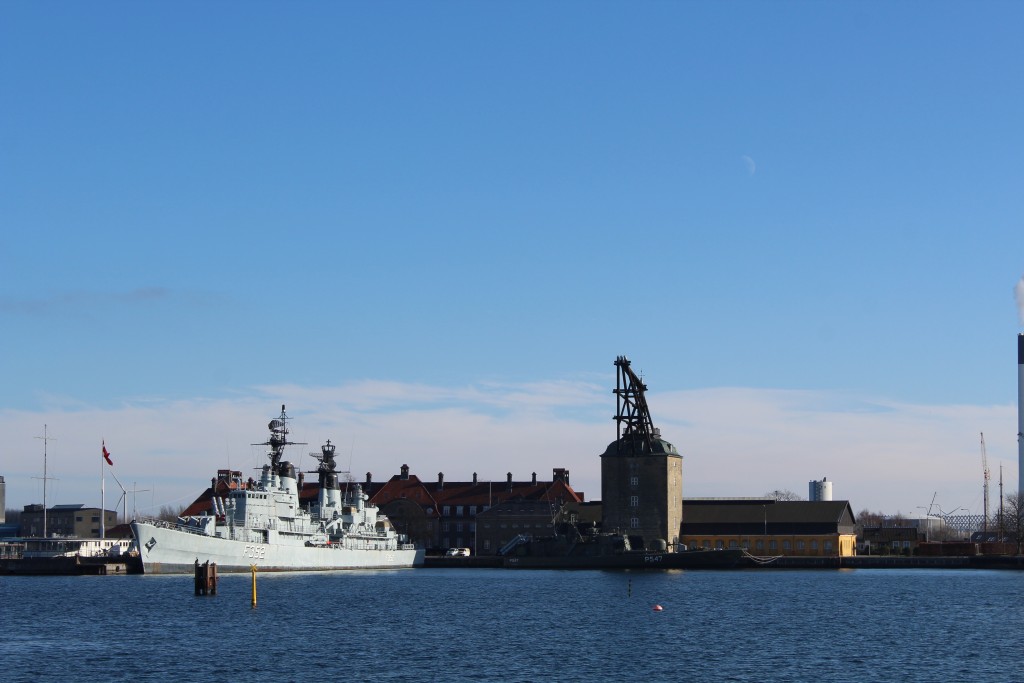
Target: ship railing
291,527
176,526
246,535
11,550
352,542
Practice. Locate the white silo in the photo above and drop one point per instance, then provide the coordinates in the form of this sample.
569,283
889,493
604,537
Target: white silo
819,490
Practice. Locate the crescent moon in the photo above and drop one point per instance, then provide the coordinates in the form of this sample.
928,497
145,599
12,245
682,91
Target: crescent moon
751,166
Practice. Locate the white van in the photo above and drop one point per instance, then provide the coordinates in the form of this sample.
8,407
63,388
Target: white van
457,552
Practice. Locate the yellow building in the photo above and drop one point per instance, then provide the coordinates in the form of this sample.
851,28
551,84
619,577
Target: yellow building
769,527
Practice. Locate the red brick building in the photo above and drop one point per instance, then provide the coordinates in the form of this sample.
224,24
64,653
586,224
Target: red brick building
443,514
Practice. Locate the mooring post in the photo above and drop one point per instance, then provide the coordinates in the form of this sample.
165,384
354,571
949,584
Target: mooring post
205,578
253,586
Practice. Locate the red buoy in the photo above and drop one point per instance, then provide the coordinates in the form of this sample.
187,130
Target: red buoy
658,608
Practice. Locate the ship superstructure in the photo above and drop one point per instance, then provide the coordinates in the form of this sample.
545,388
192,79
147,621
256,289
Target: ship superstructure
262,523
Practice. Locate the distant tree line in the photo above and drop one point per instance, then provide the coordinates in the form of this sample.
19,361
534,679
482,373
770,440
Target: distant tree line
783,495
170,513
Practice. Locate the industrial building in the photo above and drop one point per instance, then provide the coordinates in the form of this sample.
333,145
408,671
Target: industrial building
69,521
770,527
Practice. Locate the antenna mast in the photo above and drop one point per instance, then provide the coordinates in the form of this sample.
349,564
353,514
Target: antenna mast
134,491
986,476
1002,532
278,439
45,438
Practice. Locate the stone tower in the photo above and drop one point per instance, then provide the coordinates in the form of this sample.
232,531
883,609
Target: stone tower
641,473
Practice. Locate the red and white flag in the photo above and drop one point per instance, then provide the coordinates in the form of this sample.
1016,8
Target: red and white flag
106,454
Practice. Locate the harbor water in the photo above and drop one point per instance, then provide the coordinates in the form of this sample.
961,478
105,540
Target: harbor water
508,625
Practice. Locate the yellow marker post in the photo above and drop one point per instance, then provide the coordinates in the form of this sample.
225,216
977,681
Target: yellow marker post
253,586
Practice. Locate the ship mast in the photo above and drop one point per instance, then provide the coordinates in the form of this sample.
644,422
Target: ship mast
278,439
328,465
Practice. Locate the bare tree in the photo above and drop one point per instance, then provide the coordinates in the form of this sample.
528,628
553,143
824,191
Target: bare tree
866,519
897,521
783,495
1013,519
170,513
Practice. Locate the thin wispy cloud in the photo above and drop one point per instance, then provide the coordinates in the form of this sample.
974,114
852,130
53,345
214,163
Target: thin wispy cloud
383,396
81,300
735,441
880,454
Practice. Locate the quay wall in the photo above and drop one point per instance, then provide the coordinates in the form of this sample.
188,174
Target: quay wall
895,562
793,562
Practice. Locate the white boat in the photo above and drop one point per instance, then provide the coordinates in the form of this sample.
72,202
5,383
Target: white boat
261,524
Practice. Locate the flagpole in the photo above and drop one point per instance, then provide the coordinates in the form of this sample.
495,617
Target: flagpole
103,495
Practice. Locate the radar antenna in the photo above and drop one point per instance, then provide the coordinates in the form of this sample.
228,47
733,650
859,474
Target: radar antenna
278,438
328,465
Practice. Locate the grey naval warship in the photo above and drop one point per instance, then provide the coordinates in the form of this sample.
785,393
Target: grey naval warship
261,523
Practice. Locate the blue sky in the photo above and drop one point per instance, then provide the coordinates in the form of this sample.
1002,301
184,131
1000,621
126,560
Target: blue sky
430,228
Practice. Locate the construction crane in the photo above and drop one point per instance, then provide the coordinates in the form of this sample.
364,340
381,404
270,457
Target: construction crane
986,476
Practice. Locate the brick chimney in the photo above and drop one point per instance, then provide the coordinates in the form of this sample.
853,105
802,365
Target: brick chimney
440,481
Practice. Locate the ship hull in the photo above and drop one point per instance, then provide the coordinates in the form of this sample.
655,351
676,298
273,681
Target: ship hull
691,559
170,551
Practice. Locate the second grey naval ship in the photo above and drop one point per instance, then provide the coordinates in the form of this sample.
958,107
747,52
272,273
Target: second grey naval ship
261,523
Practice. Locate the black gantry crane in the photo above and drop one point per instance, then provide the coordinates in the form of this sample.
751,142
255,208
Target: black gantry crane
633,418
